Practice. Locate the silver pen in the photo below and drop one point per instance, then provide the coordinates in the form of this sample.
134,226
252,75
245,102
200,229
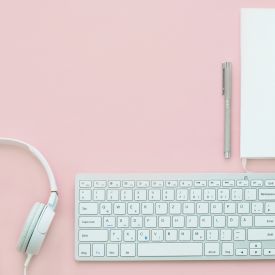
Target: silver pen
227,93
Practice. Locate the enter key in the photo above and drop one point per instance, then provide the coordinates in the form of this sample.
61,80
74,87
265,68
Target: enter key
265,221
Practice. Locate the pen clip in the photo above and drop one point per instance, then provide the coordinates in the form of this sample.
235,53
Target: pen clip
223,78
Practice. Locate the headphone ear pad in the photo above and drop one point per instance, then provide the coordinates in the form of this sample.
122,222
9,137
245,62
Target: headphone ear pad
29,226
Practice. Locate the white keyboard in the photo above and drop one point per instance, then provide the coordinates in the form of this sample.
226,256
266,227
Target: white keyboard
134,217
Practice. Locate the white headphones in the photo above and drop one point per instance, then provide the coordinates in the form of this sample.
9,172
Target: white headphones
41,215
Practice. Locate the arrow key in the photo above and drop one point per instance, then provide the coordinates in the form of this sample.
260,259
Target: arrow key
241,252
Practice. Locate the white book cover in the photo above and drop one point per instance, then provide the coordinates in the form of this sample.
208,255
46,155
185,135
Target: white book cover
257,83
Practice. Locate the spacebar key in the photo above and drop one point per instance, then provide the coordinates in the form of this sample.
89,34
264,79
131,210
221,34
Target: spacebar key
169,249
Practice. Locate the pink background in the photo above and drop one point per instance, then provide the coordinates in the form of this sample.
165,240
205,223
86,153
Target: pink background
113,86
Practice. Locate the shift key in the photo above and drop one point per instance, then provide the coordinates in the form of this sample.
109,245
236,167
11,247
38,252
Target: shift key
261,234
93,235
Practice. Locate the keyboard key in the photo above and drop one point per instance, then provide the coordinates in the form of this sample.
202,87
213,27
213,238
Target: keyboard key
214,183
84,250
169,249
186,183
241,252
198,235
216,208
85,184
270,183
239,235
143,183
122,221
136,222
154,195
256,183
93,235
174,208
269,252
98,195
255,252
128,183
226,235
267,194
98,250
133,208
227,249
126,195
157,235
209,194
182,194
147,208
90,222
99,183
171,235
105,208
191,221
178,221
232,221
116,235
200,183
270,207
250,194
261,234
195,194
223,194
242,183
109,222
164,221
128,250
228,183
168,194
129,235
150,222
140,195
87,208
161,208
212,249
157,183
212,235
202,207
243,208
188,208
112,195
171,183
112,250
246,221
219,221
185,235
119,208
257,207
230,208
255,245
237,194
265,221
143,235
114,183
85,195
205,221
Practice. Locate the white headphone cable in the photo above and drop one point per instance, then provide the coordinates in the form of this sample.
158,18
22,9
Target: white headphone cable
26,264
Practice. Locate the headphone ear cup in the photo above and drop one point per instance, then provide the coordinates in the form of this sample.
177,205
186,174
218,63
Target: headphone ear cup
29,226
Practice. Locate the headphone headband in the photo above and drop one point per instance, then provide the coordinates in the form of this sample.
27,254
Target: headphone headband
39,156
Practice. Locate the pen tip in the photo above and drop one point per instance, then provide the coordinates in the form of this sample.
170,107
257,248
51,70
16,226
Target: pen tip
227,155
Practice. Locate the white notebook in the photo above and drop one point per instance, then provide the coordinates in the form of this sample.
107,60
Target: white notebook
257,83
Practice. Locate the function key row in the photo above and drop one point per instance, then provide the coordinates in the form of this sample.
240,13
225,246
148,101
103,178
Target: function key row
173,183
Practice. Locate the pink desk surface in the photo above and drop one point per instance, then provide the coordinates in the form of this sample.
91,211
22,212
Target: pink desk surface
113,86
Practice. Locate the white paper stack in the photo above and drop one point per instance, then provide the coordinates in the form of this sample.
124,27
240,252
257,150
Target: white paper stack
257,83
